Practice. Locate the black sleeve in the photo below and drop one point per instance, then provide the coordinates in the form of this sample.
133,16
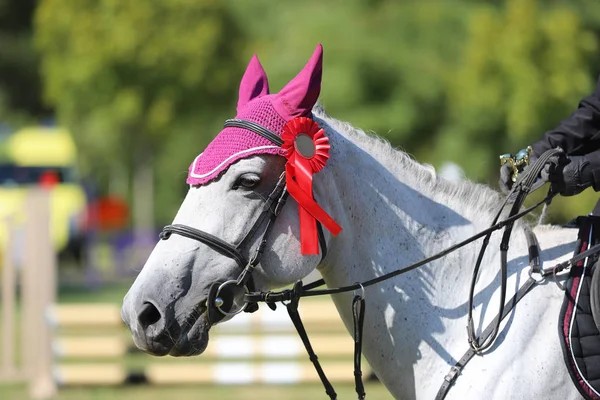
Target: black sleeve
591,173
580,133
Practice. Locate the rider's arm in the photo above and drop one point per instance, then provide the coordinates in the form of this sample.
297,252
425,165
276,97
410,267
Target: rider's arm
591,171
580,173
577,135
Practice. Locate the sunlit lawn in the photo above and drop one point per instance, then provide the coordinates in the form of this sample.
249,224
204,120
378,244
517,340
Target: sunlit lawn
114,294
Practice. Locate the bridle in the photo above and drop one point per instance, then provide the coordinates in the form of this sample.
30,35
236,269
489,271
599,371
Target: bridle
221,294
220,299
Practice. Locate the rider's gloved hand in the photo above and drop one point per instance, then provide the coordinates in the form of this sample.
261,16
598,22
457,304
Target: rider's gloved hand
569,176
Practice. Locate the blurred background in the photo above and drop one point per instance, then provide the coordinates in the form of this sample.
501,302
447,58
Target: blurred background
106,103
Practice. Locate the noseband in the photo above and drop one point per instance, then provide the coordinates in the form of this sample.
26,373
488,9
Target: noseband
221,294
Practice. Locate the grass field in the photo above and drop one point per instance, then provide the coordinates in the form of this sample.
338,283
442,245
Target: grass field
114,294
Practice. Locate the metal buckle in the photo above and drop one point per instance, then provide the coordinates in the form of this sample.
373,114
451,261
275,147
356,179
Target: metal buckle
219,301
451,376
362,291
554,270
280,202
540,274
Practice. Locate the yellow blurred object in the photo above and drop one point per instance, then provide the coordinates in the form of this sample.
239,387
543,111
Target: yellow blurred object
41,156
41,146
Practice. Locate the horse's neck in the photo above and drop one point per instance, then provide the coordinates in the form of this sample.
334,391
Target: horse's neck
392,219
395,215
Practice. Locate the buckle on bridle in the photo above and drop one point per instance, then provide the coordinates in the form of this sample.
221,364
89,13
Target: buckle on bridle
280,202
451,376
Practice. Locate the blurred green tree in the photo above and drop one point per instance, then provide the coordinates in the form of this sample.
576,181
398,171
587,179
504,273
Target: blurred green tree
130,79
458,81
525,66
386,62
20,83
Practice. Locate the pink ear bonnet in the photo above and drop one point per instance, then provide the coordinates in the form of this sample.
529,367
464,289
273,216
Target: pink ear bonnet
271,111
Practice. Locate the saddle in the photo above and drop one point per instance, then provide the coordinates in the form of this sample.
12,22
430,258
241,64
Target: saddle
579,320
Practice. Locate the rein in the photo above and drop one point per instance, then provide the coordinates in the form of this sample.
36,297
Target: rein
309,289
521,188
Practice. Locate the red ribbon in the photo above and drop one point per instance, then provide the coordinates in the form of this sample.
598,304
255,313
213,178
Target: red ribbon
302,164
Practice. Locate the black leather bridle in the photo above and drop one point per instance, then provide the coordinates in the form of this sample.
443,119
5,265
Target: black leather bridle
220,299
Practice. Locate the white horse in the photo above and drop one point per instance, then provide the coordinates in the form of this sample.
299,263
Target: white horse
394,211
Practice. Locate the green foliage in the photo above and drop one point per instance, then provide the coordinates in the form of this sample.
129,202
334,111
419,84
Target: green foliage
459,81
524,68
20,84
125,76
386,62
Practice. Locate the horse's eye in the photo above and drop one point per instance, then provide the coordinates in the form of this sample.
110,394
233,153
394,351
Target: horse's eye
247,181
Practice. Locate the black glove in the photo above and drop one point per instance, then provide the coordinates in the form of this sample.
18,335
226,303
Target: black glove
569,177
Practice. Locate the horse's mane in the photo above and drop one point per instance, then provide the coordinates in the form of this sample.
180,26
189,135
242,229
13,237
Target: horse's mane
468,195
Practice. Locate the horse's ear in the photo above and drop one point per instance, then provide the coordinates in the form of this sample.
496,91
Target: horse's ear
299,96
254,83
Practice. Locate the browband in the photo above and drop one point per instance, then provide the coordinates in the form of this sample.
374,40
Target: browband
256,128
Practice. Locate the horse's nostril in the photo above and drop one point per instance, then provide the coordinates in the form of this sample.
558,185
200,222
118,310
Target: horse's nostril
149,315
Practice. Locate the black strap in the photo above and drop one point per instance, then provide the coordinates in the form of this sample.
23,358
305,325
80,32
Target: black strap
285,295
256,128
292,308
246,274
270,209
211,241
458,367
358,315
322,241
569,263
533,250
522,187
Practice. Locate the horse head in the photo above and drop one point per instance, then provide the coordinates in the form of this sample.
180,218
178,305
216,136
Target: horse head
232,232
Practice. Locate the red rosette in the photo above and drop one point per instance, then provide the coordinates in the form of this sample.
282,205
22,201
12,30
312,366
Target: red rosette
307,150
308,127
